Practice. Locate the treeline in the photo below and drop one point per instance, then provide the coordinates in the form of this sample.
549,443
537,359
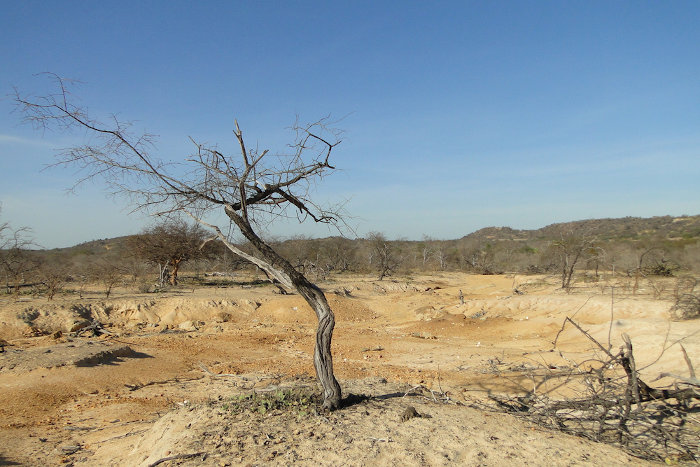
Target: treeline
635,247
568,247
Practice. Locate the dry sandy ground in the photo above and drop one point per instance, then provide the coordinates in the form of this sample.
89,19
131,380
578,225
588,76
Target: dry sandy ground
158,386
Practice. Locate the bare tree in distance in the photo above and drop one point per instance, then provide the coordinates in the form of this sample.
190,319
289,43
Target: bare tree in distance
53,277
170,243
480,258
572,247
382,254
341,253
426,249
251,189
15,261
107,274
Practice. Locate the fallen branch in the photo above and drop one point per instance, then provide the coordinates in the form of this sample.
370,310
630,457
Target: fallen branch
178,456
134,387
688,362
125,435
691,381
615,405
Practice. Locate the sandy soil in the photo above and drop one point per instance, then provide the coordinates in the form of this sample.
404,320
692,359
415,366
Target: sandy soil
157,385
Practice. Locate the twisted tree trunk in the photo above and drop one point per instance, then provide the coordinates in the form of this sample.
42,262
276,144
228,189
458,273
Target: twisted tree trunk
282,270
323,360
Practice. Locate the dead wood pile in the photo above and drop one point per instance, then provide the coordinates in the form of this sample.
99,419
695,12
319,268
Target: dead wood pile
612,404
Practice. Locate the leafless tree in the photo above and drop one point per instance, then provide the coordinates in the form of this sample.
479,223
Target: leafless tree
53,277
480,258
170,243
250,189
341,253
107,274
572,247
426,249
650,260
440,254
15,260
383,256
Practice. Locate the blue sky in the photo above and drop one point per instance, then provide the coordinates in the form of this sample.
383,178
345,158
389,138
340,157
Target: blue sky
457,115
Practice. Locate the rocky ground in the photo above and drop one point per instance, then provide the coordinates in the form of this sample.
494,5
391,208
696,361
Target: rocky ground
158,380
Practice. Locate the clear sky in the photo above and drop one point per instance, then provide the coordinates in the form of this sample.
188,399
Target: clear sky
457,115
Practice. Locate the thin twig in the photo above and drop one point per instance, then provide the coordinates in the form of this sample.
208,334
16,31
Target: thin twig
688,362
178,456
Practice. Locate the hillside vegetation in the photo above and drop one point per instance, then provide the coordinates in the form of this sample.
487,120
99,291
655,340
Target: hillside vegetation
631,246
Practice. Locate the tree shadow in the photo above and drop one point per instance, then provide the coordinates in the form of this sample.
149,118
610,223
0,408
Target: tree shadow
356,399
111,358
6,461
353,399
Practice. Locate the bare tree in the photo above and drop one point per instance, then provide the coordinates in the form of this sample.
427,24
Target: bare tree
648,252
383,255
53,277
15,260
341,253
440,254
107,274
250,189
572,247
479,257
170,243
426,249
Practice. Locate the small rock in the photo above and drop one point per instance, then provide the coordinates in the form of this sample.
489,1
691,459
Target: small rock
70,449
409,413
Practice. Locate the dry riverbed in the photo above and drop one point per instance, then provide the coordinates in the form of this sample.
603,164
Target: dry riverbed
163,385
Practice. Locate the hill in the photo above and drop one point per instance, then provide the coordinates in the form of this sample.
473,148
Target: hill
624,228
664,243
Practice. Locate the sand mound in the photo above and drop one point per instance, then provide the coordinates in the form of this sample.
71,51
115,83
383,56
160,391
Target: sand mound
373,431
171,312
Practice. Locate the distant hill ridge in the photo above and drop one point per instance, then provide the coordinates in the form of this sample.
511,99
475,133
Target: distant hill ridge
624,228
667,227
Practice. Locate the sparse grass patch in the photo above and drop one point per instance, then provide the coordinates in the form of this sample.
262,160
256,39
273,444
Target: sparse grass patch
300,401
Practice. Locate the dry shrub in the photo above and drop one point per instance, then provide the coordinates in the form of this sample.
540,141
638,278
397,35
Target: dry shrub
687,306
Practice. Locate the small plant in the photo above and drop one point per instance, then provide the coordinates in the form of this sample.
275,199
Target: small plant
301,401
687,306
